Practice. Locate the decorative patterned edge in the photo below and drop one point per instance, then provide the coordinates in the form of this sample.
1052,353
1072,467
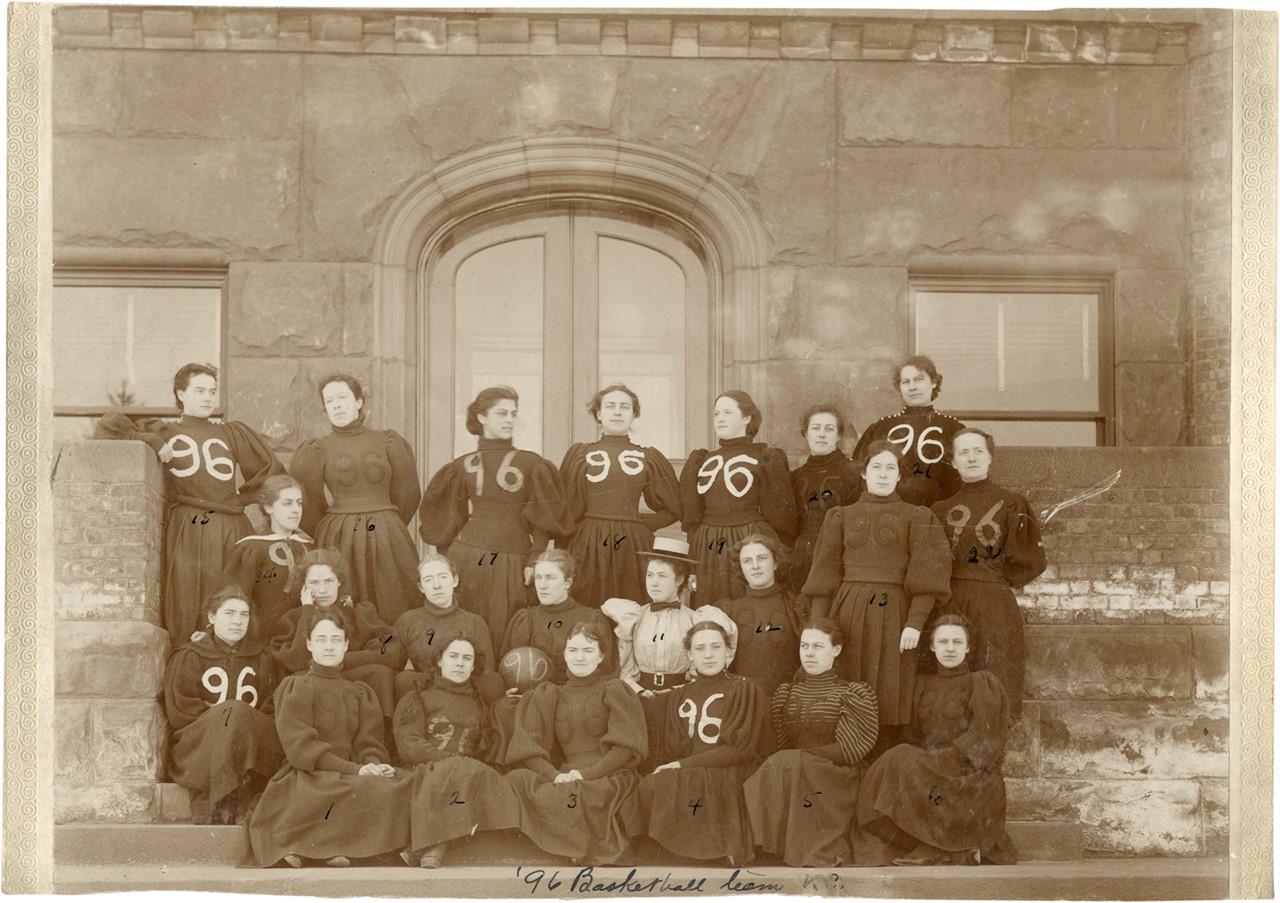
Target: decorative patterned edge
28,685
719,34
1253,361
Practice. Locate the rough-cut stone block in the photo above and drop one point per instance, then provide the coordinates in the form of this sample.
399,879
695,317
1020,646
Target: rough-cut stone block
575,93
298,309
212,96
691,107
794,385
578,31
504,31
71,733
723,33
1211,647
106,464
1022,748
896,103
109,658
86,91
804,39
345,27
1150,315
124,190
116,803
655,32
828,312
887,36
1079,106
1108,663
1151,407
82,20
967,36
252,30
1215,799
425,30
1143,818
1121,204
1047,841
1133,740
280,398
1132,38
173,804
128,739
164,23
1051,39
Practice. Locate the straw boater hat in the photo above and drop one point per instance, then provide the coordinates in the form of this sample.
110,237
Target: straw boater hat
669,549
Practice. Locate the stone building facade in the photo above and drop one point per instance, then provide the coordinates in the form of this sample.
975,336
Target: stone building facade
821,163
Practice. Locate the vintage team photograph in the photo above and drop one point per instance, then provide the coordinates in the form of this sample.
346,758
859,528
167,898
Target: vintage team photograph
650,452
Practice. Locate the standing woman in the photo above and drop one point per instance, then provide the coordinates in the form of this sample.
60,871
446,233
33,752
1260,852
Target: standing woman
826,480
803,799
941,798
742,487
373,480
574,754
995,541
605,482
337,795
489,509
206,512
879,568
921,435
767,618
218,699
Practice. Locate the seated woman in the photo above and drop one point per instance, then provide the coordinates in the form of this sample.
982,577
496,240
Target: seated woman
217,696
802,800
692,804
574,752
941,798
417,631
324,575
766,616
442,728
336,796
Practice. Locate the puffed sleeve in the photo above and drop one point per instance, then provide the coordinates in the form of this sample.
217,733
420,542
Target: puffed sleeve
625,613
661,491
741,724
982,744
398,648
413,742
573,473
444,511
254,457
369,743
288,646
928,578
406,491
375,639
182,701
307,467
534,736
518,633
1024,558
269,675
857,727
545,515
120,426
777,501
295,704
874,432
852,480
827,571
693,506
625,743
777,708
243,565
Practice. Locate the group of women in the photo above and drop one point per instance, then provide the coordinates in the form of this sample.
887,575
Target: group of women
751,687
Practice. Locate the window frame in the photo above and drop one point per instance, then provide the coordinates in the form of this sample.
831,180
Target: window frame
1103,416
150,277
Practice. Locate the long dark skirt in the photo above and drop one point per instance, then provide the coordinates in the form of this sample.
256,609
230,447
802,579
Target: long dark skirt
197,546
605,551
719,573
872,633
997,644
380,555
584,820
699,813
218,753
802,807
490,584
457,797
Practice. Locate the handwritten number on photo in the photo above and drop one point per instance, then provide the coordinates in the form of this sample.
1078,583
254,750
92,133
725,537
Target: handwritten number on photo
456,801
202,519
326,815
431,635
493,558
573,801
694,805
808,803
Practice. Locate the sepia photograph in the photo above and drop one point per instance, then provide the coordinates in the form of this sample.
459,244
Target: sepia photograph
583,452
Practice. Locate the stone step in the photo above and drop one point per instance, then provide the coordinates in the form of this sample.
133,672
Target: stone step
1098,879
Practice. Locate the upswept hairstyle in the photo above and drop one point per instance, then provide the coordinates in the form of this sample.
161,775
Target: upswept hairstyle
483,402
781,554
827,626
986,437
436,558
562,559
351,382
822,407
329,557
230,591
596,633
706,625
182,378
335,614
875,448
920,362
952,620
748,408
441,645
596,400
271,488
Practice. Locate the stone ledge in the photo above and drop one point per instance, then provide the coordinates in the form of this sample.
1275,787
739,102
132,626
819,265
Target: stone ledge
109,659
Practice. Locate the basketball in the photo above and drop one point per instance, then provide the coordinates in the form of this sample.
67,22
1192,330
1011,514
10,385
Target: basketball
525,667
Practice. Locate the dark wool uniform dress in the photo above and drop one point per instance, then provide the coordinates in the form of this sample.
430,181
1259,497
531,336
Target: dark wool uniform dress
923,436
593,724
803,799
369,657
206,512
768,644
995,541
266,567
604,482
741,488
317,805
821,483
442,729
374,483
486,511
880,565
218,701
697,810
946,788
417,633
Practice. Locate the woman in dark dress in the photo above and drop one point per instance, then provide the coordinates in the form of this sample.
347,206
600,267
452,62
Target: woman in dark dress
605,482
489,509
373,480
995,541
337,795
941,798
442,727
740,488
574,754
218,699
767,616
826,480
692,804
803,799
